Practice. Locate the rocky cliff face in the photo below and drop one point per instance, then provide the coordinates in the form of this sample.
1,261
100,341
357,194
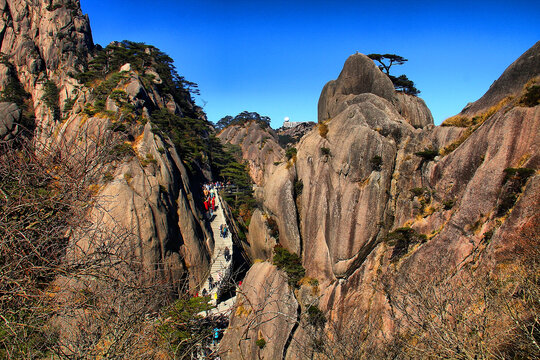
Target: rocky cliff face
291,136
265,294
259,145
41,40
360,76
143,192
381,212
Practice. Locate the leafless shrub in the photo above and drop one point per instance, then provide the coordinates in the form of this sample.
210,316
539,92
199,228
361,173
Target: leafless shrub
70,287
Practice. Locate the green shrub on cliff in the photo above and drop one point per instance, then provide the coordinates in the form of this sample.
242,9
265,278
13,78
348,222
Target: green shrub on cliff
315,317
183,329
513,182
427,154
401,239
273,227
51,98
290,263
290,153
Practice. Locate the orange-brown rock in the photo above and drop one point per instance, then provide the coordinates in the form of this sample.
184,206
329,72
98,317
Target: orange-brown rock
259,144
263,318
369,177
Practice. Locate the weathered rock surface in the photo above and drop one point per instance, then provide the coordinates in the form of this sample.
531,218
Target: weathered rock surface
279,204
10,115
359,75
370,175
266,309
42,40
148,198
260,242
414,110
260,147
345,197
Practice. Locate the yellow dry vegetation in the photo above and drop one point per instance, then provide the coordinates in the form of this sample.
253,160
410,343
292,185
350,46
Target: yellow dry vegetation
290,162
534,82
458,121
323,128
94,188
242,311
362,184
312,282
523,160
429,210
472,124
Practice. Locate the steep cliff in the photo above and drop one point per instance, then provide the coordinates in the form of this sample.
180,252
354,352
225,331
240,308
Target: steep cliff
111,123
259,145
45,47
389,225
510,83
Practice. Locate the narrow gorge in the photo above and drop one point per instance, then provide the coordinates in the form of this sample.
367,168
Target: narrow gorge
372,233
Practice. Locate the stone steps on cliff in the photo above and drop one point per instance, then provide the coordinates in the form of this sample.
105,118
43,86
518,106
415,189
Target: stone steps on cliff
220,266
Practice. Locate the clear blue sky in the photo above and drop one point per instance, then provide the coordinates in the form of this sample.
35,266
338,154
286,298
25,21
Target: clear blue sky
274,57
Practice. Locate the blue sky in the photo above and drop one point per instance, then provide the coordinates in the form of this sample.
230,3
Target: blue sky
274,57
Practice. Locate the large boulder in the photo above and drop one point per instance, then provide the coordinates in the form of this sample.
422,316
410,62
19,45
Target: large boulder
346,178
280,205
414,110
10,116
260,242
359,75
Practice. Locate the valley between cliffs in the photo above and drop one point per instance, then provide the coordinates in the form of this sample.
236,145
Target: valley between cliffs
372,234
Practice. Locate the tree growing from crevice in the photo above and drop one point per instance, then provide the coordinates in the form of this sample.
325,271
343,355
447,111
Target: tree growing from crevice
401,82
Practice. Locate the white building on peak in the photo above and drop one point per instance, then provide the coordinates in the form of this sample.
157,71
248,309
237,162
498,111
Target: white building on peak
287,123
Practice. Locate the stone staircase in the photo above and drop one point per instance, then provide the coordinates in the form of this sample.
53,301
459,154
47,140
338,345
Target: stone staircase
220,267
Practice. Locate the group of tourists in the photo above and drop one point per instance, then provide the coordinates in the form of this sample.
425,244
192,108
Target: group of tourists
210,197
218,185
210,204
212,283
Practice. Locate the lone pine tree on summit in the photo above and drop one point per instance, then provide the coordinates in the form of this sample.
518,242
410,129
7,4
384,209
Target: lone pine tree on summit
401,83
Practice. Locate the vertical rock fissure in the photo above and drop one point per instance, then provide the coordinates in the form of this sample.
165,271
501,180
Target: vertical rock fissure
297,212
9,21
391,203
374,241
293,330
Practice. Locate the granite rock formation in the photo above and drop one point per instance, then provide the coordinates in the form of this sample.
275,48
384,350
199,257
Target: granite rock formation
382,210
10,116
259,145
147,192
